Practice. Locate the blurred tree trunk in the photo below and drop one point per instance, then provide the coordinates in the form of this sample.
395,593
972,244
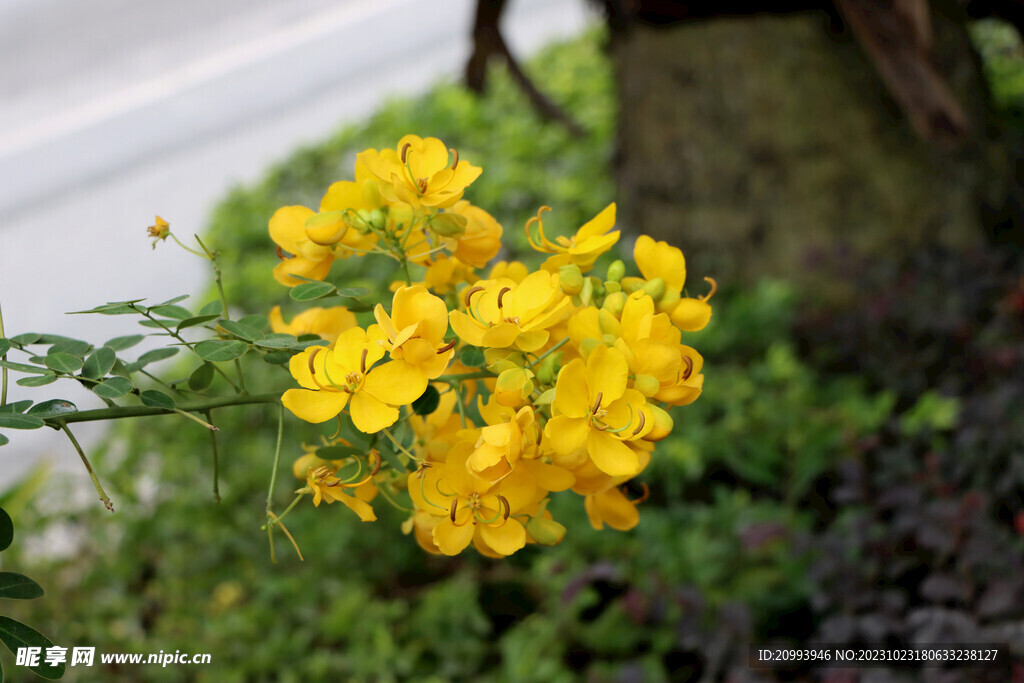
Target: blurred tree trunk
769,145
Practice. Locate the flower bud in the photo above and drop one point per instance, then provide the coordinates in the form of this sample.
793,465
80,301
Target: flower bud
547,373
608,323
614,303
545,531
377,219
655,288
646,385
587,292
612,287
616,271
571,279
326,228
448,224
513,387
631,284
662,424
668,301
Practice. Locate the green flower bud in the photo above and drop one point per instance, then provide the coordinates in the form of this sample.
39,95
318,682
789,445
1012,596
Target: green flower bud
612,287
662,424
631,284
448,224
326,228
545,531
571,279
377,219
646,385
614,303
616,271
655,288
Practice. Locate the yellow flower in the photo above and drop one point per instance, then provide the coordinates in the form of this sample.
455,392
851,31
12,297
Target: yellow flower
482,240
159,231
437,433
362,207
583,248
300,255
501,445
416,329
325,486
593,410
340,376
509,270
446,273
660,260
603,498
419,173
505,314
327,323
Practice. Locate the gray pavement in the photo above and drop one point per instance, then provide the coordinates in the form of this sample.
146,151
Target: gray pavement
116,110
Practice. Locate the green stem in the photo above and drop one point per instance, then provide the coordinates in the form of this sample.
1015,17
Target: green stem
216,468
189,345
3,383
88,467
549,352
188,249
277,457
212,255
399,446
482,374
461,406
146,411
388,498
288,509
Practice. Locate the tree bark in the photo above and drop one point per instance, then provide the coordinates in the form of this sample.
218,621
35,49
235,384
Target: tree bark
770,145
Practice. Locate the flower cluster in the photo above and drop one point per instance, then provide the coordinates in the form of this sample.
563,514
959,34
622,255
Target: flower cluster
486,390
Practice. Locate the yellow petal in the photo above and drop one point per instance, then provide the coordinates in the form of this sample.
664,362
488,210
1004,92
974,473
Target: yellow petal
611,456
466,328
360,507
396,382
660,259
314,406
451,539
288,227
566,435
303,267
607,373
505,539
599,224
572,398
370,415
612,508
691,315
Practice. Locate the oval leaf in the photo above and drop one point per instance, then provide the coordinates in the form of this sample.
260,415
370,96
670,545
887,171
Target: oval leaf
22,367
338,452
122,343
19,587
241,330
99,363
16,407
427,402
155,355
472,356
277,357
308,291
15,421
157,399
277,341
217,351
5,346
15,634
37,380
3,442
26,338
201,377
172,301
115,387
6,530
171,311
72,346
212,308
197,320
352,292
52,408
64,362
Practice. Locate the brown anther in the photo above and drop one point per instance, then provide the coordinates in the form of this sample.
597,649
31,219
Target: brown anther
455,154
597,402
501,295
508,508
470,292
378,463
643,496
280,254
421,184
405,150
362,362
640,426
455,506
316,350
447,347
689,367
714,288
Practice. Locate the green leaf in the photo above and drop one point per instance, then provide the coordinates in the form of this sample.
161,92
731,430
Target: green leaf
201,377
352,292
52,408
242,330
19,587
277,357
75,347
428,402
22,367
309,291
24,339
156,355
197,320
5,346
16,407
339,452
212,308
157,399
158,324
217,351
114,308
122,343
3,442
255,320
472,356
6,530
15,421
15,634
171,311
277,341
99,363
115,387
64,362
171,301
